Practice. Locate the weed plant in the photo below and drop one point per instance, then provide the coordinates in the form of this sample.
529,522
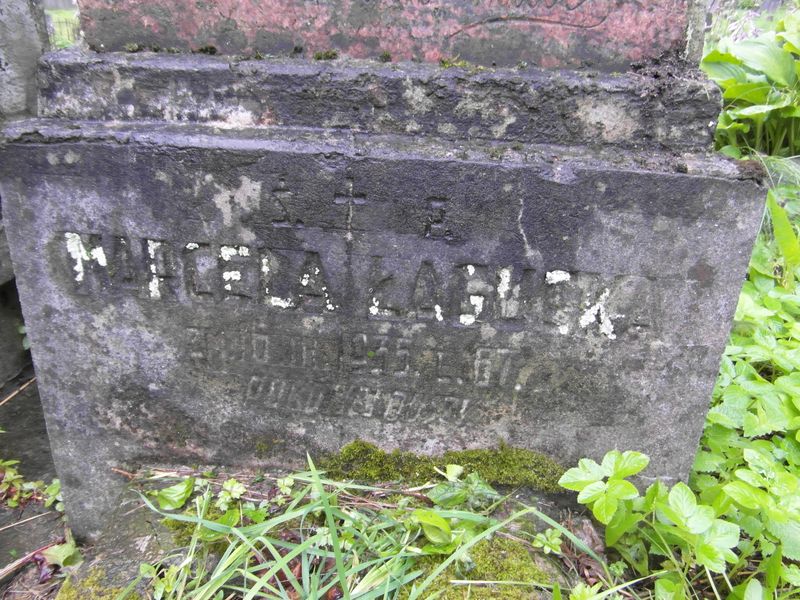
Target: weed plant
307,536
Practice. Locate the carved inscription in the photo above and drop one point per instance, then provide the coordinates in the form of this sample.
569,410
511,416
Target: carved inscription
203,272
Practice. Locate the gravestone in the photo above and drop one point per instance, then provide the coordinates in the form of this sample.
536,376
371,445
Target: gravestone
241,261
606,34
23,38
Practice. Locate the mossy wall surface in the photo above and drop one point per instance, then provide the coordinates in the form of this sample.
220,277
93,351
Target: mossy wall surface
503,465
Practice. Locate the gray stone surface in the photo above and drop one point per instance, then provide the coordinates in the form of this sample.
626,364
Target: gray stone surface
23,38
214,293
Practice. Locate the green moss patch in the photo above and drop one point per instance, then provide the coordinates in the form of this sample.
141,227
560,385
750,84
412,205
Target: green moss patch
504,465
500,559
91,587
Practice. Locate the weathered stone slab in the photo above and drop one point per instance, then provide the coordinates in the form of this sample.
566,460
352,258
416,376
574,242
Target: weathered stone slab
23,38
509,105
211,295
606,34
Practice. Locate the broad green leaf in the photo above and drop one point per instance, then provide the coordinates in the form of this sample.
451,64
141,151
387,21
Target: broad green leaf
723,67
63,555
592,492
791,575
710,557
765,55
175,496
448,495
604,508
787,529
666,589
768,414
749,307
681,499
752,92
229,519
453,472
610,461
701,519
754,591
621,489
577,478
784,235
656,492
791,41
716,545
629,463
756,111
789,383
746,495
622,522
731,152
708,462
772,569
759,461
722,535
435,528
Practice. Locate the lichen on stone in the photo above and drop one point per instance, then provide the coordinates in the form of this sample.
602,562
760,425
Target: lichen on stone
504,465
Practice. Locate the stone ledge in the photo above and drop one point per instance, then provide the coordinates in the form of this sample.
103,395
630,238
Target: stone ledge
552,157
526,106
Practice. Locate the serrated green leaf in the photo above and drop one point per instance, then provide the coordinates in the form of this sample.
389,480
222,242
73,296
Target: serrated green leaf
577,478
604,508
666,589
621,489
722,535
681,499
629,463
787,529
746,495
700,520
791,575
592,492
711,557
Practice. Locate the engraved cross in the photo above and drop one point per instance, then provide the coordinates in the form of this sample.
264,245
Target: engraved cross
351,200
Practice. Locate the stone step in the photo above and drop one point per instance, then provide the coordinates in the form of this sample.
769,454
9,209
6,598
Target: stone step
525,106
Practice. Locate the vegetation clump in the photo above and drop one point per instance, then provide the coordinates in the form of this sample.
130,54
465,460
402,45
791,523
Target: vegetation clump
499,559
326,55
504,465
